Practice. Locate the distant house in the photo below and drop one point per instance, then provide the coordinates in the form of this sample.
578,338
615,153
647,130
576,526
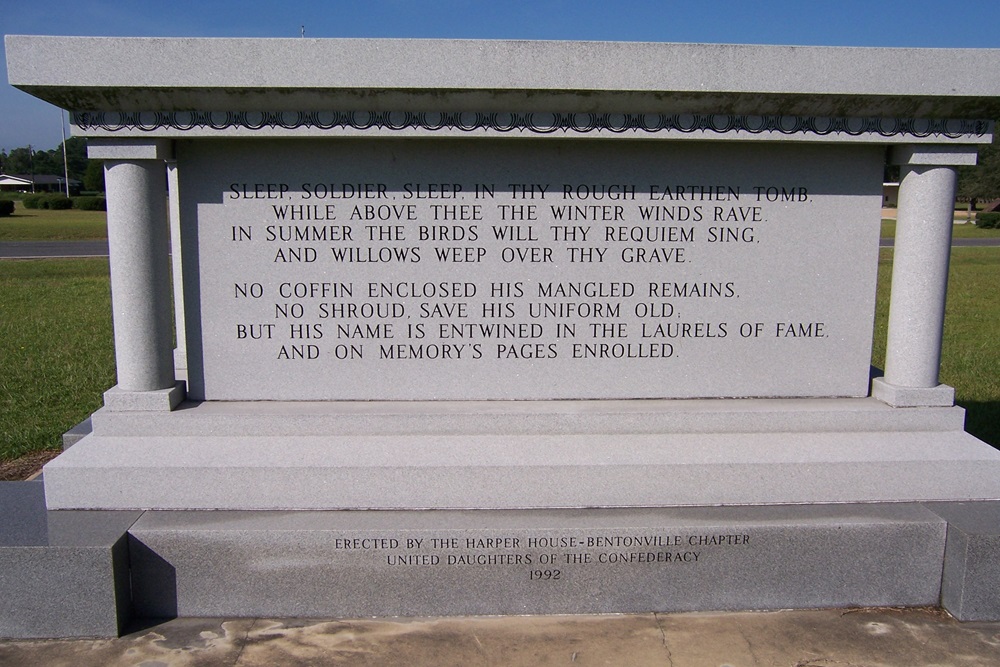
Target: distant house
890,195
38,183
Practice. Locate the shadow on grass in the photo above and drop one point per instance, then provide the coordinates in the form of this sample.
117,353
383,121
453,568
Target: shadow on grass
982,419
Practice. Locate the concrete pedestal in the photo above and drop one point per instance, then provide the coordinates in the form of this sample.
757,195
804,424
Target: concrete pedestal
971,584
350,564
62,574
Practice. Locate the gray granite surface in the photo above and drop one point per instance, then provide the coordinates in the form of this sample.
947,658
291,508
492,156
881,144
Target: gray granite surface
62,574
273,418
971,586
579,561
728,292
490,471
224,74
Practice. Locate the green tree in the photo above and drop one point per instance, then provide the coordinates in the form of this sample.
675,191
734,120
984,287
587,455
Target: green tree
93,177
76,154
19,161
27,160
48,162
981,182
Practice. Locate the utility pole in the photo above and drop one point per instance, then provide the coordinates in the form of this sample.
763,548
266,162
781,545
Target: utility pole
31,168
62,126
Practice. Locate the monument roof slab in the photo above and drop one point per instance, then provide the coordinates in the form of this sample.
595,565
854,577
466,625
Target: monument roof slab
175,74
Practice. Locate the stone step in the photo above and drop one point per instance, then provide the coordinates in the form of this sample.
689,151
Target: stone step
275,418
77,433
507,472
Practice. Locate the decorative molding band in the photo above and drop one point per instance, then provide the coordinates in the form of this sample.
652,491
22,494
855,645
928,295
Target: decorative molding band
526,122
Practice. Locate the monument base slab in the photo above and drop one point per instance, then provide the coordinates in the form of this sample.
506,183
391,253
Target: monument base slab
62,574
534,562
252,456
398,509
971,588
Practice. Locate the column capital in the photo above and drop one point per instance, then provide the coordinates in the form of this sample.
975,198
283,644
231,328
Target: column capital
950,155
130,149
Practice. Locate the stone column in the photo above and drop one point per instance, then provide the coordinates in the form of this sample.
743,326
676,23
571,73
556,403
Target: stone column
173,198
920,275
138,239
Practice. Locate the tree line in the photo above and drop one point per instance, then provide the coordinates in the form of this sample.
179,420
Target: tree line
27,160
981,183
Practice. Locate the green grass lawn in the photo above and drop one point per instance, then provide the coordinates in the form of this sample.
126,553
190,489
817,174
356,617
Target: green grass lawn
28,224
55,324
57,359
970,355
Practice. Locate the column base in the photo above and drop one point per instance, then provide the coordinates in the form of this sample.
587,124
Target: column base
912,397
180,364
159,400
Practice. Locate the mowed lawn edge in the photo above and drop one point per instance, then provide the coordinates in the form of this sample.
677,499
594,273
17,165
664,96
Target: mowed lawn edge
28,224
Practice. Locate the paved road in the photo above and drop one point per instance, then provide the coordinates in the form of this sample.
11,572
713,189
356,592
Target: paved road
36,249
980,243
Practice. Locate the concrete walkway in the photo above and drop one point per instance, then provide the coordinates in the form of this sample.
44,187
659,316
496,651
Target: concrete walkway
823,638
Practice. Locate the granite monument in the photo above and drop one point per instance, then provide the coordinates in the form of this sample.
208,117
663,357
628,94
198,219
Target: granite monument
469,327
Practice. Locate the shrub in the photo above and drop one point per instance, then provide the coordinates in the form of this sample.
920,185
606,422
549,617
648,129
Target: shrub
32,201
57,202
6,207
90,203
988,220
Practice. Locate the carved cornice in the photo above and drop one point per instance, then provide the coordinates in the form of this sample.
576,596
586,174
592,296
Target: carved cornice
524,123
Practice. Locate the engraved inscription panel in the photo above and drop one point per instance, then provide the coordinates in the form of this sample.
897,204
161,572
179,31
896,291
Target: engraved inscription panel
480,269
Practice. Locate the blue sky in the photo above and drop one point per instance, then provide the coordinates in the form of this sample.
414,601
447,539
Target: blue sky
921,23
